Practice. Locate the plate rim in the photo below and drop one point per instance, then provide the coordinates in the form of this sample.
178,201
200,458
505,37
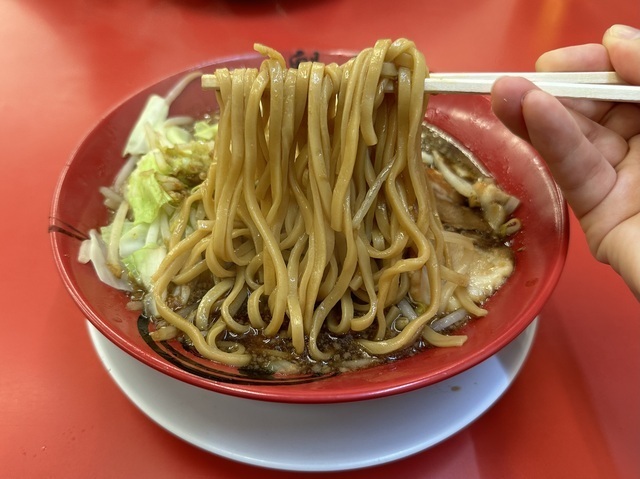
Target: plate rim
512,358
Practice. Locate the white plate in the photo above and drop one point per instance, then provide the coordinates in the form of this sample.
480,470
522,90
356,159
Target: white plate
315,437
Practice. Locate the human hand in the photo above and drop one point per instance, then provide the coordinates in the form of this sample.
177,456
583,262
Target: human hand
592,148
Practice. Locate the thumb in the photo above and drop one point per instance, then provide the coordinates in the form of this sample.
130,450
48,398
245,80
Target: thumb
623,44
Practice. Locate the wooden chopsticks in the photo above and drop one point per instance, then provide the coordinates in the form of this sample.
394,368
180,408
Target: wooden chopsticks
604,86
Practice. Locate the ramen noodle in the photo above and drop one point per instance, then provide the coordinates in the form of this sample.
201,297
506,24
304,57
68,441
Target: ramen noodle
318,224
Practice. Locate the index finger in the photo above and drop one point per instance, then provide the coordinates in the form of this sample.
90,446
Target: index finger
588,57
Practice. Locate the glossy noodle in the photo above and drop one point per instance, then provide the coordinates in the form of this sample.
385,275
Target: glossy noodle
317,214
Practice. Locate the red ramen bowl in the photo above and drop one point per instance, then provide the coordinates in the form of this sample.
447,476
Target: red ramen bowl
540,250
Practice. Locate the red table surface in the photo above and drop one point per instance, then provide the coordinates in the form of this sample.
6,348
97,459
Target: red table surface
572,412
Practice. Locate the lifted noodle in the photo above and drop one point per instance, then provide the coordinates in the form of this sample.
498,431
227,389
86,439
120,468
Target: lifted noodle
300,153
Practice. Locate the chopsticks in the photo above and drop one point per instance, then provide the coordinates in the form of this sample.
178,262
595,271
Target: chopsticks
604,86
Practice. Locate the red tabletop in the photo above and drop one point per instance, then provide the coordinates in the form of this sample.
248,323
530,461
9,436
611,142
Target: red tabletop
572,411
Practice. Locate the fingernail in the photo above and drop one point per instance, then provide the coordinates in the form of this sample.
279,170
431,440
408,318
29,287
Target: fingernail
624,32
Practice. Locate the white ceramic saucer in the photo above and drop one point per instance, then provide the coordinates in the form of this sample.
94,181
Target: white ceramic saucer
315,437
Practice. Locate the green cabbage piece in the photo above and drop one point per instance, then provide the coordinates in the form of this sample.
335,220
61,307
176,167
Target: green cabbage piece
203,130
143,263
145,194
